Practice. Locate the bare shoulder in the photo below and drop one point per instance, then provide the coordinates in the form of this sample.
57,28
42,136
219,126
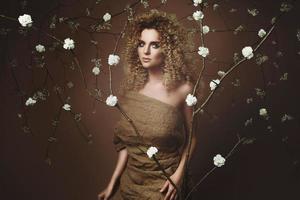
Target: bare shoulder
183,90
186,88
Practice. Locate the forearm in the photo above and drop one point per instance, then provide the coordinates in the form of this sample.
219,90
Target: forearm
183,160
120,166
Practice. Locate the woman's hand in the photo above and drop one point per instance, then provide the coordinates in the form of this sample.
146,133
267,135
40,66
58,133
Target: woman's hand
171,191
106,193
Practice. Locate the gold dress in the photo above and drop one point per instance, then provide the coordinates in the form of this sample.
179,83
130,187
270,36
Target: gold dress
160,125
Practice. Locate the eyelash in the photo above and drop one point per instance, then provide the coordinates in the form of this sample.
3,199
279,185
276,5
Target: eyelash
155,46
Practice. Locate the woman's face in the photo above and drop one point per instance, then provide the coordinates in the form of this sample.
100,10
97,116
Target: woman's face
149,50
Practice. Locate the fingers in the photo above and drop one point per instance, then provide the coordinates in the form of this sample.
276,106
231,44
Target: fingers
169,193
102,196
173,196
165,186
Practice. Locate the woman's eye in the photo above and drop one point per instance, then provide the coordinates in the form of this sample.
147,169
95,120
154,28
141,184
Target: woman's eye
141,44
155,46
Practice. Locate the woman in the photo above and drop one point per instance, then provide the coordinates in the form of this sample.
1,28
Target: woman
156,84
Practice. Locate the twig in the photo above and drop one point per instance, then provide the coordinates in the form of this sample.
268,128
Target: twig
234,67
213,169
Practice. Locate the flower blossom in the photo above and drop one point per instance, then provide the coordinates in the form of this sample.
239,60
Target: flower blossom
152,151
262,33
284,77
69,44
205,29
248,121
111,100
219,161
203,51
66,107
263,112
197,2
221,73
213,84
249,100
286,117
40,48
215,6
191,100
106,17
113,59
96,71
253,12
198,15
25,20
247,52
30,101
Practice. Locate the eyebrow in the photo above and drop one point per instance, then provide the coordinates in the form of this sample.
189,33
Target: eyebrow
156,41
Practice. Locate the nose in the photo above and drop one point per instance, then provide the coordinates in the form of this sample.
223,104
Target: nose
147,49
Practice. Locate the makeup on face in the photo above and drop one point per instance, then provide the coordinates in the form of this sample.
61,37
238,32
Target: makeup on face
149,50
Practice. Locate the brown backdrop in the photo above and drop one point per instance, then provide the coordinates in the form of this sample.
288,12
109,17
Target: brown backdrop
266,169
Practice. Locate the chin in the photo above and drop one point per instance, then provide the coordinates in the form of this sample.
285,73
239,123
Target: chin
147,66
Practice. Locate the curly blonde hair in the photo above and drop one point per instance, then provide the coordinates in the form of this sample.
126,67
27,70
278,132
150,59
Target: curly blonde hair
173,41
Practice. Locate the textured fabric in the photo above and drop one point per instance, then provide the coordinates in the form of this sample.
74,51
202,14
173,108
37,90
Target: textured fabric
160,125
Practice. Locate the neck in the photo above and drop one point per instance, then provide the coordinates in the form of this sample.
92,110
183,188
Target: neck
155,75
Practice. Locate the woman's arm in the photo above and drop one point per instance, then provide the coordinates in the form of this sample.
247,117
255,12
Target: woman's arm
188,113
120,166
177,177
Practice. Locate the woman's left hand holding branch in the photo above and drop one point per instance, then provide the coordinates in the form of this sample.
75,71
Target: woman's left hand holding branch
177,178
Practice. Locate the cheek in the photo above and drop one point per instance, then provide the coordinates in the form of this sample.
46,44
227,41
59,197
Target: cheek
139,51
159,56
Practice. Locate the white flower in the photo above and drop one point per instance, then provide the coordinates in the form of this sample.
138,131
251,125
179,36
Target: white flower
269,128
113,59
247,52
203,51
285,7
25,20
205,29
215,6
198,15
262,33
213,84
96,70
197,2
232,10
191,100
111,100
69,44
263,112
40,48
221,73
284,77
259,92
219,161
30,101
152,151
66,107
253,12
286,117
249,100
106,17
248,121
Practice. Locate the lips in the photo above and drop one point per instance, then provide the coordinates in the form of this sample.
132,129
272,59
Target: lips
146,59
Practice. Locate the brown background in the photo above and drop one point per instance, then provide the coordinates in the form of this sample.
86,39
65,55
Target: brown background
266,169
